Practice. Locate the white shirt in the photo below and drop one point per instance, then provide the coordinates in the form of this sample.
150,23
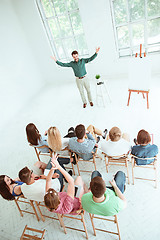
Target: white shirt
36,191
115,148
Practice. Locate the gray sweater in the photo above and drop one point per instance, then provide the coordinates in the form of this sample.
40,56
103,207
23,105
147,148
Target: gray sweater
85,148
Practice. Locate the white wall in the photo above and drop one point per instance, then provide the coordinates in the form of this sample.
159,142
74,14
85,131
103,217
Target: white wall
97,22
19,73
96,18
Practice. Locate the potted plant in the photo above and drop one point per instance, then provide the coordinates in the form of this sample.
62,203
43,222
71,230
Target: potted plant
98,77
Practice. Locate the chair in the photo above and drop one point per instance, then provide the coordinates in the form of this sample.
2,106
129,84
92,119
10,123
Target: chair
117,161
79,159
152,165
115,220
43,216
38,153
23,200
79,217
29,236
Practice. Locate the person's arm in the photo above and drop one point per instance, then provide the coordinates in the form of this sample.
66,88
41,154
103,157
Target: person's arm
87,60
49,179
70,180
60,63
118,192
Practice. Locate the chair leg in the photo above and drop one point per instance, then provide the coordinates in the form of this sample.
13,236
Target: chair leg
116,221
23,233
127,171
60,217
133,171
40,212
78,169
31,202
94,230
155,168
94,163
84,225
18,207
73,168
37,154
129,97
106,164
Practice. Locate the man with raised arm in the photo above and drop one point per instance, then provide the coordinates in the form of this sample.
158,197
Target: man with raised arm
78,66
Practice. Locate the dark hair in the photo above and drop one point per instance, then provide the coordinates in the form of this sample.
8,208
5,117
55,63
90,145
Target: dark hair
33,134
4,189
51,199
80,131
25,175
143,137
115,134
74,52
98,186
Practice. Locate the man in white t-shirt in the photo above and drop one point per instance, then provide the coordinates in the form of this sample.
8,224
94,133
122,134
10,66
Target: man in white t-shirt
34,189
117,144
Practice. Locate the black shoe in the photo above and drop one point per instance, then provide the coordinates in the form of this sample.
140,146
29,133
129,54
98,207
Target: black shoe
74,160
71,133
70,173
105,134
98,139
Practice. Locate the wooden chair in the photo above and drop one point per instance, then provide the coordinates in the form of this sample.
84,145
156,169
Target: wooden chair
39,153
79,217
152,165
117,161
43,216
30,236
115,220
22,199
79,159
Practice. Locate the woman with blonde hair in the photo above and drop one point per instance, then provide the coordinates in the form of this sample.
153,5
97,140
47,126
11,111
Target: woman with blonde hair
55,140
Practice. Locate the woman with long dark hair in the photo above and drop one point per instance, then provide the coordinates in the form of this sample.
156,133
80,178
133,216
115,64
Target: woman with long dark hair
35,138
9,188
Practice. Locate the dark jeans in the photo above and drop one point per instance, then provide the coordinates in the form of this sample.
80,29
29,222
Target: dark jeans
119,178
61,162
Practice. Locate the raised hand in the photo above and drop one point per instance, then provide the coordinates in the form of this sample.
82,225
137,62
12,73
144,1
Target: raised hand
113,183
54,58
97,49
54,162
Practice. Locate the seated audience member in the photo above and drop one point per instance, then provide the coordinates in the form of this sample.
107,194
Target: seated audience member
85,146
144,149
55,141
35,138
118,143
63,202
9,189
34,189
104,201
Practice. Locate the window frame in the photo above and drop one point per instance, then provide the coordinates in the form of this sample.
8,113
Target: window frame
48,31
129,24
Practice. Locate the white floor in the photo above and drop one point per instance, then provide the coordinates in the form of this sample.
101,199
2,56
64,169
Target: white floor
60,106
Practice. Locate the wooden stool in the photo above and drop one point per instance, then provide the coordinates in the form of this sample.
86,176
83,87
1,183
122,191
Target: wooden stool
115,220
22,199
152,165
101,88
28,236
117,161
139,91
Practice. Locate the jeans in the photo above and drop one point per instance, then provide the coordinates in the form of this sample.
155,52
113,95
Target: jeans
119,178
61,162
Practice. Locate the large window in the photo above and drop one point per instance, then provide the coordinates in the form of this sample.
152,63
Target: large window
64,28
136,22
